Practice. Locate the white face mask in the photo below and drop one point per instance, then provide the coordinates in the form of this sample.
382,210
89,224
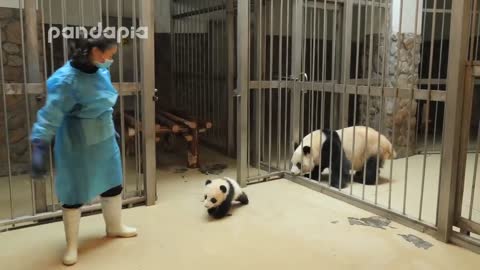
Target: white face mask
106,64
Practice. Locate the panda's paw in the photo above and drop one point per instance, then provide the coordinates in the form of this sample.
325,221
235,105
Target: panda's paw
337,184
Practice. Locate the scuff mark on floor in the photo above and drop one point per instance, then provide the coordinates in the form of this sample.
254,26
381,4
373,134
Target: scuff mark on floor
417,241
215,169
334,222
375,222
180,170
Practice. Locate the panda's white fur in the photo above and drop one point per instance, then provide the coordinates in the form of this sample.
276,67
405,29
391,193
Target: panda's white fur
322,148
220,193
366,145
314,140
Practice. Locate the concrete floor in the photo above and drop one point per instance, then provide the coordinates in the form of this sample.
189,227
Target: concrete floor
404,194
286,226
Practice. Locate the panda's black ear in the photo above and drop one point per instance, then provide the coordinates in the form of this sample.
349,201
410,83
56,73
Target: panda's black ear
295,145
306,150
208,182
223,188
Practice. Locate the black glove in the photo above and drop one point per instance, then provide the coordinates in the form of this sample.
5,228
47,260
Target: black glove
39,159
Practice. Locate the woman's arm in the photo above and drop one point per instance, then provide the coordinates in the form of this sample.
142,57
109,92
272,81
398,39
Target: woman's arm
60,101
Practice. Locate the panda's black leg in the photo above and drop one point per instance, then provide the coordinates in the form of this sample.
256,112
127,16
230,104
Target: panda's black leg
314,174
243,199
340,166
371,171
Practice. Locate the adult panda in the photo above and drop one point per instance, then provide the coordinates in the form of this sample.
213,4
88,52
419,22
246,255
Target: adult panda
362,159
314,152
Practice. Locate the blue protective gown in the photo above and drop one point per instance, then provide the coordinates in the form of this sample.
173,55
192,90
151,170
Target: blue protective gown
79,112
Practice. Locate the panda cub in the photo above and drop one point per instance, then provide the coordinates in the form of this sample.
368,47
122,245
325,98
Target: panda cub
220,193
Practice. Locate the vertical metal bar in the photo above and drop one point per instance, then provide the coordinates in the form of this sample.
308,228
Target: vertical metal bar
52,64
173,46
138,146
474,180
370,63
454,100
440,65
122,106
258,92
324,78
346,57
33,74
382,99
270,100
355,97
333,81
424,22
406,162
7,137
50,161
215,74
82,17
100,11
223,110
472,30
279,96
297,39
288,3
210,94
64,24
231,75
250,137
107,12
27,101
304,60
243,24
189,70
148,82
313,37
428,110
196,58
477,23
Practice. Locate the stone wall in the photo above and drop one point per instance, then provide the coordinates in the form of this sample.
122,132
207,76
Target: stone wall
397,117
16,105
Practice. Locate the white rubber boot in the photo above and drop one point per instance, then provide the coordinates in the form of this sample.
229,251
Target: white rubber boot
112,213
71,221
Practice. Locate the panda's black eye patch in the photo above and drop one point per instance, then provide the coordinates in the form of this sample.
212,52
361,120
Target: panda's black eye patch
299,165
205,197
213,200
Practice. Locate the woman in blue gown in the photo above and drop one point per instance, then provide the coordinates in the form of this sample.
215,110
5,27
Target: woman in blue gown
78,112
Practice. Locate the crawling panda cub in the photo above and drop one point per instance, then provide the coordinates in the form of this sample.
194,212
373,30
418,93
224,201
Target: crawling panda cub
220,193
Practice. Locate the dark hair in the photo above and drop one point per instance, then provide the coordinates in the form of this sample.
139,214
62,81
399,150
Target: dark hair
83,47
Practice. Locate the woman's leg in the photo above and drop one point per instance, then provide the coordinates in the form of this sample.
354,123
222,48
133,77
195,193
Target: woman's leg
112,213
112,192
71,220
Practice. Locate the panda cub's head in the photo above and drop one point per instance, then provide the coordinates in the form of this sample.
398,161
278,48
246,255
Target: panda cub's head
215,193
